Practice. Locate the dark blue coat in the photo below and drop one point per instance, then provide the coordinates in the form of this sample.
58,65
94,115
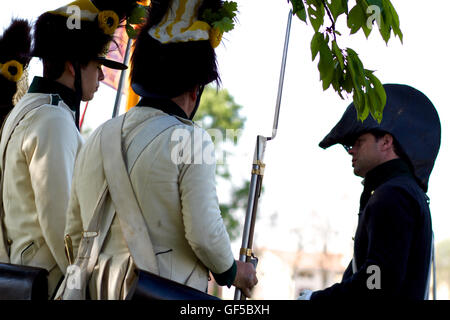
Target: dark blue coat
394,233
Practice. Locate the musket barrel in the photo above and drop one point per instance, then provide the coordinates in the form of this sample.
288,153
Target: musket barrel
249,213
245,254
281,80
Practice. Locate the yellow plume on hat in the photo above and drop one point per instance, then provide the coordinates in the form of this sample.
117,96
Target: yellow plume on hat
180,23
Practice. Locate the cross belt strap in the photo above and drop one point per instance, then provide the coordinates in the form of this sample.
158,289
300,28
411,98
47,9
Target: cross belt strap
132,221
146,135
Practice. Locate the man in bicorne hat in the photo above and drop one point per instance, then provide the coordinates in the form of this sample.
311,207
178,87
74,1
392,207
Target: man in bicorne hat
173,60
40,139
394,241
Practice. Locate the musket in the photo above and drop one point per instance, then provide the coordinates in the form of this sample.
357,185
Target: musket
121,84
246,254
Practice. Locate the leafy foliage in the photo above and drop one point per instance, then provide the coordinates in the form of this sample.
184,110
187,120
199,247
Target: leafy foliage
136,17
222,19
219,111
341,68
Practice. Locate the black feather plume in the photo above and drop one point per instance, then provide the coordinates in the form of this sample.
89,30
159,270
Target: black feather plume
15,43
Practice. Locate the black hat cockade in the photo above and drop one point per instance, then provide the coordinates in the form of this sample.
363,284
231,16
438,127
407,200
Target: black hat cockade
409,116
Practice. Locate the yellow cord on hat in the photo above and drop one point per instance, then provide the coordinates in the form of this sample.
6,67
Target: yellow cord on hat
11,76
108,21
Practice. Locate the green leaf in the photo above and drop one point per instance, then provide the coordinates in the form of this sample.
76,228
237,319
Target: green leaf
298,9
137,15
395,22
338,7
356,65
359,102
356,18
347,84
365,110
367,29
316,42
385,30
132,33
209,16
229,9
224,25
338,53
380,94
378,3
326,65
357,73
316,13
337,79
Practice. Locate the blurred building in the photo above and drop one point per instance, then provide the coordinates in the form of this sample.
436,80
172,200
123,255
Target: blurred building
283,274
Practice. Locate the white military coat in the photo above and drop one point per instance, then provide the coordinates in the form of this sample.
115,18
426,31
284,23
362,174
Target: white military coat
178,201
39,162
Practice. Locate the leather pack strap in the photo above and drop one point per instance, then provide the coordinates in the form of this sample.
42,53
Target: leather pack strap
6,134
95,235
146,135
74,284
133,225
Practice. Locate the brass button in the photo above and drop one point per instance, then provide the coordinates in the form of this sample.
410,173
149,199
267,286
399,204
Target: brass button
9,242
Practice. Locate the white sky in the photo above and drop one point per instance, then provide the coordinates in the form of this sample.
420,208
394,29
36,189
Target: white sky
305,186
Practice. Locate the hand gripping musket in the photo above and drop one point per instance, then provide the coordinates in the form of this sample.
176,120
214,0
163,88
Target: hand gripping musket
246,254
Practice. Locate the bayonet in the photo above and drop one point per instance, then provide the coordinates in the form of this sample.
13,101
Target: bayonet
258,166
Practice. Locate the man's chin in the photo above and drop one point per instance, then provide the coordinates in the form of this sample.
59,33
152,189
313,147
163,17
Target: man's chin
358,172
86,99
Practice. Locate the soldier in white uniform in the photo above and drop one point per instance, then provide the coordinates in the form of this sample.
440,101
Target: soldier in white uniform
39,155
176,194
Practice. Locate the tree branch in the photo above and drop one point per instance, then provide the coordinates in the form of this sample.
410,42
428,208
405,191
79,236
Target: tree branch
333,24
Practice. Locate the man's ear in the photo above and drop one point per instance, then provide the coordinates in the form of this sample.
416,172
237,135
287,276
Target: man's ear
388,141
194,93
69,67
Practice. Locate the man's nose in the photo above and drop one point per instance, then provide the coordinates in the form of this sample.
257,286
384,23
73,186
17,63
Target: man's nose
101,75
351,151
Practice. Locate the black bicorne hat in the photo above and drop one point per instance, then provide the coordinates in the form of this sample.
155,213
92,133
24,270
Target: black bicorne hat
409,116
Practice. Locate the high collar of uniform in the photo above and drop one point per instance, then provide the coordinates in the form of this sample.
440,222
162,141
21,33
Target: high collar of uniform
43,85
382,173
165,105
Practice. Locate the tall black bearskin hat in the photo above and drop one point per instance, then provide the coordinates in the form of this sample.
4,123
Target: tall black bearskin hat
15,47
409,116
81,31
174,51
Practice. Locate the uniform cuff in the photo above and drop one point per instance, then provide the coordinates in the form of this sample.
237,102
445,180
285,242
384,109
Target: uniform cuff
227,277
